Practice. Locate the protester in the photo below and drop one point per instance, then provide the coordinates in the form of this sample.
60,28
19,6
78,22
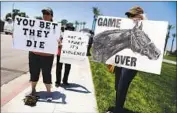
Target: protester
124,76
90,43
41,61
90,34
60,65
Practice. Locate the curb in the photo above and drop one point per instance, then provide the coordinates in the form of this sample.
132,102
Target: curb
14,93
18,89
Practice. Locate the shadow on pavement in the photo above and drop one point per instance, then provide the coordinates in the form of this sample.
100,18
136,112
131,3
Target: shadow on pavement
71,87
56,96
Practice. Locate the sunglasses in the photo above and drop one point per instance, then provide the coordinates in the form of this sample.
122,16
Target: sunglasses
131,15
46,13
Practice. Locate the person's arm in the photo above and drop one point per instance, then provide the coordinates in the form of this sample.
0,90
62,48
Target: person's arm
60,42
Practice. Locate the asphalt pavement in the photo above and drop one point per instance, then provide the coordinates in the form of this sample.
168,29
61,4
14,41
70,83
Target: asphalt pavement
14,62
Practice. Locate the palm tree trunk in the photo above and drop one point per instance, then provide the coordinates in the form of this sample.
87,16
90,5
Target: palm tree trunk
93,23
76,28
172,45
80,27
165,44
166,40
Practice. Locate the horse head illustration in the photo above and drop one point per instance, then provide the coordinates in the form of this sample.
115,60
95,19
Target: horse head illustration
110,42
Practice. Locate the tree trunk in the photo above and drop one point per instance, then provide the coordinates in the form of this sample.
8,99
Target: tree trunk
76,28
166,40
165,44
93,23
172,45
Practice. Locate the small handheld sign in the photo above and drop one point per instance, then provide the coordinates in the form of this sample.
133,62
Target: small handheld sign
74,47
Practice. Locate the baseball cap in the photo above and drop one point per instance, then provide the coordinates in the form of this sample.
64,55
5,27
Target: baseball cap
135,11
48,9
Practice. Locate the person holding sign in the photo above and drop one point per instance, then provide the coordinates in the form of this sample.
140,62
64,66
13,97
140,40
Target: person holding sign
90,34
60,65
124,76
41,61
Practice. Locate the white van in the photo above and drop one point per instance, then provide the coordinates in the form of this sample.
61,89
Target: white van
8,27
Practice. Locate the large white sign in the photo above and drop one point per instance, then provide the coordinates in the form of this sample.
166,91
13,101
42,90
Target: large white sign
122,42
36,35
74,47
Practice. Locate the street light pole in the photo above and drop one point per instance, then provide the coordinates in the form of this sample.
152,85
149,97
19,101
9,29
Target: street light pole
12,10
12,18
13,7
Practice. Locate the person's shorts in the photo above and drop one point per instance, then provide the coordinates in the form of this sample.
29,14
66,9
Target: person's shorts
37,63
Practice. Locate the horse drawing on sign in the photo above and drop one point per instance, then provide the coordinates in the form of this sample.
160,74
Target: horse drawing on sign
108,43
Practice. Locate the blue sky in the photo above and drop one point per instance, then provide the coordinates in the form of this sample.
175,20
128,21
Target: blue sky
82,11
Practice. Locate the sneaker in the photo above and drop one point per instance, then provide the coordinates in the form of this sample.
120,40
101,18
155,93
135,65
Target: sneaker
66,83
49,97
32,93
57,85
110,110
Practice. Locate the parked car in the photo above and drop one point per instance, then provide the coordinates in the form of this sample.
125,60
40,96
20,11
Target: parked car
1,26
8,26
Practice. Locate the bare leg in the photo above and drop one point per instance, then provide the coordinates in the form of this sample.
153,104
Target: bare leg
49,94
33,86
48,87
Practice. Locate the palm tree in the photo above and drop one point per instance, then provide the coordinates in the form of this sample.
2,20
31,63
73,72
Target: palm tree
81,23
84,23
170,27
76,24
174,36
59,21
7,16
22,14
64,22
71,24
38,17
96,13
15,12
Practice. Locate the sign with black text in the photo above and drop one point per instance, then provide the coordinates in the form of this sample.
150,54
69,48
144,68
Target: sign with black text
36,35
74,47
125,43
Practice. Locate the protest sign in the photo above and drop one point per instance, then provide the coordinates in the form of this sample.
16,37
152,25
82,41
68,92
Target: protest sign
74,47
125,43
36,35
